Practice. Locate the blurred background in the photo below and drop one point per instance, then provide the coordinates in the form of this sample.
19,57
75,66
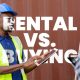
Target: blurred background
64,39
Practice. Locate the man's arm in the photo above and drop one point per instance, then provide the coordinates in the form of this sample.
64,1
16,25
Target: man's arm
10,69
28,66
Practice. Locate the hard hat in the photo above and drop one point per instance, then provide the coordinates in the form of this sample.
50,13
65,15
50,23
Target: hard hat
6,8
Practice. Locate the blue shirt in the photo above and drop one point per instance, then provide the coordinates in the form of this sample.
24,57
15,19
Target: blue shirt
7,44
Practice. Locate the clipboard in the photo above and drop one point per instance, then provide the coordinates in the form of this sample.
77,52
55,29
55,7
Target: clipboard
49,54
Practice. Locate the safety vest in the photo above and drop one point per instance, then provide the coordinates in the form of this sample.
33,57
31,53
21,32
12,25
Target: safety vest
4,58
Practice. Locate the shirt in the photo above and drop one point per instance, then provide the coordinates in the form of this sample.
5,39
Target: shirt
7,44
76,65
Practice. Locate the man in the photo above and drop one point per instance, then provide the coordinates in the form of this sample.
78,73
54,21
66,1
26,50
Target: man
11,65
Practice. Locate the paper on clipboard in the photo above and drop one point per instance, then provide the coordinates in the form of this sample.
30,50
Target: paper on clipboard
47,57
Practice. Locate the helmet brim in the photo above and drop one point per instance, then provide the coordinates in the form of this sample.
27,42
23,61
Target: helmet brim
13,13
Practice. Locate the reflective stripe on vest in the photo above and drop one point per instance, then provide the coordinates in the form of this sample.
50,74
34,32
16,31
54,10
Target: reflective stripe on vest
4,58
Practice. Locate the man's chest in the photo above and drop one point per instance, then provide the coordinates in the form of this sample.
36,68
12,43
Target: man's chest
10,50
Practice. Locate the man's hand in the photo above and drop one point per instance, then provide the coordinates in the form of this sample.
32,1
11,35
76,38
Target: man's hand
31,63
31,60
